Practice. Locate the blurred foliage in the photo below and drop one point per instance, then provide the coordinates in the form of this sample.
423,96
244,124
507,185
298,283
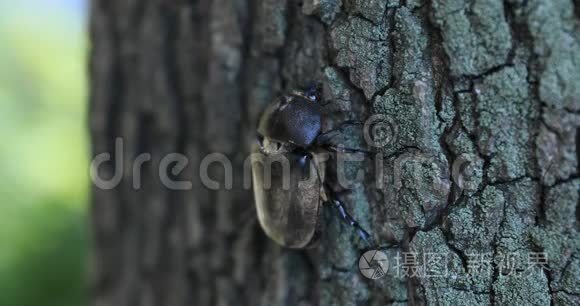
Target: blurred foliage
43,154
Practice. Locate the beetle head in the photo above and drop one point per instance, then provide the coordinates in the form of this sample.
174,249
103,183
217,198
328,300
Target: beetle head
295,118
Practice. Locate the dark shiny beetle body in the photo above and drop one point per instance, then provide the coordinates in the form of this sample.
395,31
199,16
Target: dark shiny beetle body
288,181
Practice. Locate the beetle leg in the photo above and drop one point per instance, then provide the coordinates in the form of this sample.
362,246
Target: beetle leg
326,136
338,149
346,217
259,139
324,139
325,144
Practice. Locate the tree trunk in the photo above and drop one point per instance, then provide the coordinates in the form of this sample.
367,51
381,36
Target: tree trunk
474,114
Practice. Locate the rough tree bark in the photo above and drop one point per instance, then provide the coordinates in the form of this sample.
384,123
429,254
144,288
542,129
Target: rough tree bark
481,104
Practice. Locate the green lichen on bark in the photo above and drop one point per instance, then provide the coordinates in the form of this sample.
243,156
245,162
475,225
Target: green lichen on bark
498,134
556,149
558,235
475,34
475,222
554,28
529,290
362,48
326,10
372,10
445,281
489,128
504,114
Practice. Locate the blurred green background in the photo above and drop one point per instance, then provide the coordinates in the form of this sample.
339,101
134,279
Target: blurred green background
43,153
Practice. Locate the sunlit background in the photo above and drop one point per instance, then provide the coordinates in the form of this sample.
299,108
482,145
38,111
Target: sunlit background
43,153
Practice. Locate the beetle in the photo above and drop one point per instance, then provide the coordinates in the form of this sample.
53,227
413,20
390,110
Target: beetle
288,180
